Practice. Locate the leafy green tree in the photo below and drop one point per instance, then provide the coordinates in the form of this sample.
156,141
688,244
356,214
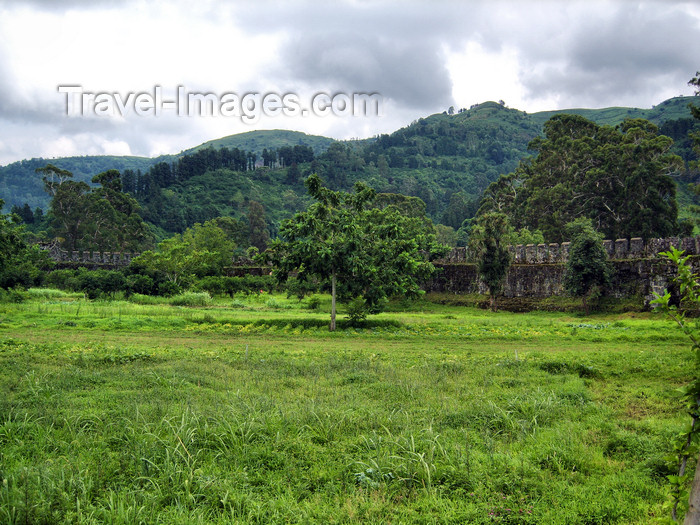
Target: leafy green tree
683,446
101,218
258,235
587,269
204,249
446,235
618,177
116,223
489,243
20,264
357,251
459,209
525,236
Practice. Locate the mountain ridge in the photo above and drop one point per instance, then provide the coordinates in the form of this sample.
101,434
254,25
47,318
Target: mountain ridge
440,154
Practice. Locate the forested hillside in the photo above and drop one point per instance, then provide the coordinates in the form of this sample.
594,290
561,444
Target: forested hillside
446,159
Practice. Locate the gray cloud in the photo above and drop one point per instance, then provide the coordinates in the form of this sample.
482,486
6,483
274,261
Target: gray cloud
631,54
581,53
411,74
394,48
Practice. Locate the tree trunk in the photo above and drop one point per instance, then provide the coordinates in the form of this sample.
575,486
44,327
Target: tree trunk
332,328
492,301
692,517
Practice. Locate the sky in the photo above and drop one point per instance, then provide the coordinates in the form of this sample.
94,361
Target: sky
418,58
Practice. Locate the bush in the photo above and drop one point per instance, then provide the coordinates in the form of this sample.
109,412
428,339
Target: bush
96,283
191,299
45,293
13,295
140,284
64,280
357,310
214,285
314,302
167,289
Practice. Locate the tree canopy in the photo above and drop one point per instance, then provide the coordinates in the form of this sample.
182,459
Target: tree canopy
204,249
587,267
355,249
618,177
93,218
489,241
19,263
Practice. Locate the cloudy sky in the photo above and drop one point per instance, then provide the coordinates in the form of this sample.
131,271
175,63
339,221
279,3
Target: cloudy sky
422,57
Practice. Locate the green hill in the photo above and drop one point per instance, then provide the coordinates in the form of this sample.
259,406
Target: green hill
671,109
20,184
256,141
447,160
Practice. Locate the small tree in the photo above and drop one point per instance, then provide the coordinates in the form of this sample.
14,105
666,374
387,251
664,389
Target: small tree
201,250
690,297
489,243
587,269
360,253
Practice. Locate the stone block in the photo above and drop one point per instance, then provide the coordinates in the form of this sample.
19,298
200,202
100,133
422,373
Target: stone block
564,251
609,248
621,249
519,254
542,253
553,252
687,244
530,254
636,247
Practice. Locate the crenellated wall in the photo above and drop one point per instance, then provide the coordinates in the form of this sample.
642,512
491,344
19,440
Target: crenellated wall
538,270
91,259
620,249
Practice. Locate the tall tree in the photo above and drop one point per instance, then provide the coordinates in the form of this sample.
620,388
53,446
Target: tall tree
258,235
618,177
19,263
587,268
100,218
204,249
355,250
489,241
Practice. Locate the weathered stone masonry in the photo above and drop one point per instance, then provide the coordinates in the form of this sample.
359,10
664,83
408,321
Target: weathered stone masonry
91,260
538,270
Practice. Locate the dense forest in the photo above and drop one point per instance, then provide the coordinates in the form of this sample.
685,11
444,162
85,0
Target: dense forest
454,162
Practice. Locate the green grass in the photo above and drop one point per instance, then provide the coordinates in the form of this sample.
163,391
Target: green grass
250,411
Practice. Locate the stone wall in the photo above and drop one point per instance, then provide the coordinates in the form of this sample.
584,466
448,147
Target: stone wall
620,249
538,270
90,259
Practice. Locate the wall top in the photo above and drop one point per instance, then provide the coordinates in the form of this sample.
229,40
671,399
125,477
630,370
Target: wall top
619,249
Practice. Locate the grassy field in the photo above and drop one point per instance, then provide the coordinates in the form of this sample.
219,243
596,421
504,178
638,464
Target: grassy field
250,411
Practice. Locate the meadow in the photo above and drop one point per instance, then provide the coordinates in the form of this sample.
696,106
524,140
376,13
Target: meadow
248,410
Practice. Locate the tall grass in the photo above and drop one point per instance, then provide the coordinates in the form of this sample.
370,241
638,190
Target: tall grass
445,415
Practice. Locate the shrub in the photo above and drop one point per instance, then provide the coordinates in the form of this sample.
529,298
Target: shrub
314,302
191,299
213,284
64,280
45,293
167,289
357,311
96,283
12,295
140,284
